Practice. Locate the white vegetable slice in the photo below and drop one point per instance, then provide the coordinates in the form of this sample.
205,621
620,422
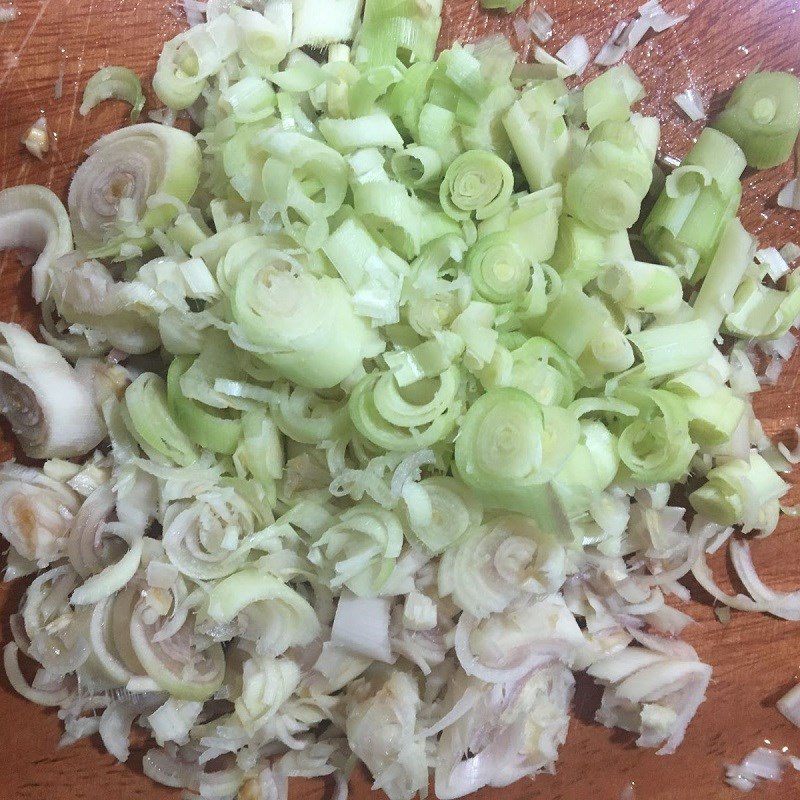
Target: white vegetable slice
322,22
575,54
361,625
33,218
691,104
52,412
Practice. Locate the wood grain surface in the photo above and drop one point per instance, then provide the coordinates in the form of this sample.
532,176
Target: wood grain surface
755,658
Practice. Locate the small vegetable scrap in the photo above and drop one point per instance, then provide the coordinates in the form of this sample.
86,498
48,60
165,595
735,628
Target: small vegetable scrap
37,139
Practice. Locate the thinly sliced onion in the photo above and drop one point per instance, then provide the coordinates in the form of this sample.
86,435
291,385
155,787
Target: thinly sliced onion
658,19
177,665
35,513
614,48
169,771
760,764
785,605
117,719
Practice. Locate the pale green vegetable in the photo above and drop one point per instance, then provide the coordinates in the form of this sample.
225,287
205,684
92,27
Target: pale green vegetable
285,618
119,83
148,418
730,490
126,168
509,447
384,419
763,117
476,183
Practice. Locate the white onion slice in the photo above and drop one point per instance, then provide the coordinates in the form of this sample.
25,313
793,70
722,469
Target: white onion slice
658,19
613,50
770,258
116,722
194,11
115,576
785,605
35,514
760,764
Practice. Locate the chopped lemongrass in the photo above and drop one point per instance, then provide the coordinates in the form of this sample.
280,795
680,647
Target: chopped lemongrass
789,195
37,139
541,25
773,261
691,104
375,404
119,83
575,54
763,117
508,6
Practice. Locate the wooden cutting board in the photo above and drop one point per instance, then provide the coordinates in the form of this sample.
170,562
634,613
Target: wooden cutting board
755,658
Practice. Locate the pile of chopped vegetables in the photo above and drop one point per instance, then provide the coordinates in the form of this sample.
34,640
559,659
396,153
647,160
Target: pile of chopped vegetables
370,410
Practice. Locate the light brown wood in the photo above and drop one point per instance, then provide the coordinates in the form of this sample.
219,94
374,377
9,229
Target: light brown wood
755,658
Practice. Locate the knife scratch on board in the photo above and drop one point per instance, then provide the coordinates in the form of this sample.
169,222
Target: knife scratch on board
25,40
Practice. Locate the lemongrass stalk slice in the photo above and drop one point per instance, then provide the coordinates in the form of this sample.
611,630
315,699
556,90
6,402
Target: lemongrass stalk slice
118,83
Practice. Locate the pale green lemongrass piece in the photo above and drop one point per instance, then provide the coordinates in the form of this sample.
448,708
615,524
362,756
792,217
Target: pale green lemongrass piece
214,429
667,349
374,130
725,272
538,132
264,39
323,22
508,449
683,231
129,166
652,288
119,83
582,253
303,326
763,117
573,318
655,446
187,61
417,166
606,188
611,95
760,312
736,491
146,412
250,99
477,183
531,221
421,419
